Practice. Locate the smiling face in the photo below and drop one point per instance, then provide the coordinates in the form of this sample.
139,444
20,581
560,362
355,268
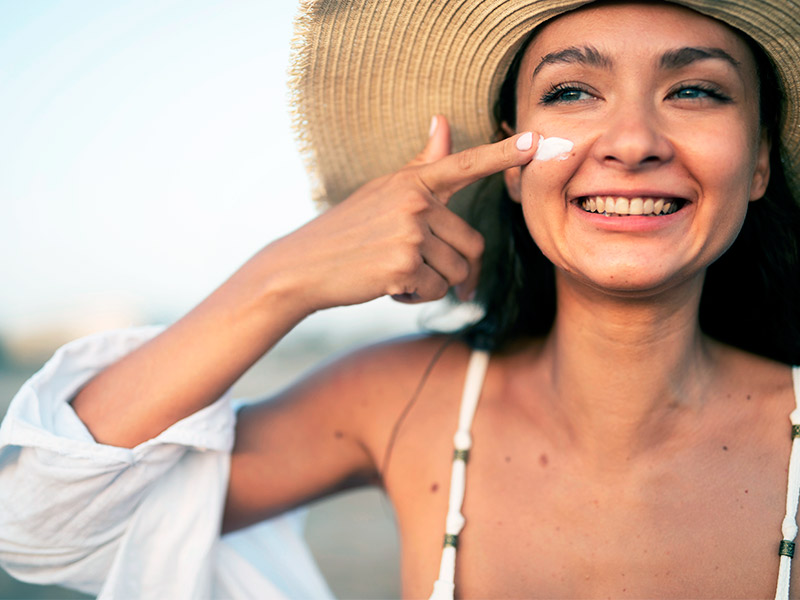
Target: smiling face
661,104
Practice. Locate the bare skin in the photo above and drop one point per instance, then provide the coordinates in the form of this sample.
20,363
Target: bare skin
394,236
625,455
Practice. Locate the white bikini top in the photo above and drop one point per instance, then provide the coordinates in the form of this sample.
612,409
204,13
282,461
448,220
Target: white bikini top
444,586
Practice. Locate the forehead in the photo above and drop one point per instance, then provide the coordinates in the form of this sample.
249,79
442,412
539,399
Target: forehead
637,30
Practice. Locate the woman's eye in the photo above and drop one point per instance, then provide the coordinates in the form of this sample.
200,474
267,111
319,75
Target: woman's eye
690,93
565,94
699,92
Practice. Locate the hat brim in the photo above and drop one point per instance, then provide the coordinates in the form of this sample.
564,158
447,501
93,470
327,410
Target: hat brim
367,76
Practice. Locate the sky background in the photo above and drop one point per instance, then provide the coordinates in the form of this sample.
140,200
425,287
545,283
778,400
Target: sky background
145,153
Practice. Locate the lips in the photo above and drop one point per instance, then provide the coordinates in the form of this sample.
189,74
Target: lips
623,206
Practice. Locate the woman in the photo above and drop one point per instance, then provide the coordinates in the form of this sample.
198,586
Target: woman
618,449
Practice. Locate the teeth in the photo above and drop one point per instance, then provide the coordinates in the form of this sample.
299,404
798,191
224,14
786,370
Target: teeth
618,206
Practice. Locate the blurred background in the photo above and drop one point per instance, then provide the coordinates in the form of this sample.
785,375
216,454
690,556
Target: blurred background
146,153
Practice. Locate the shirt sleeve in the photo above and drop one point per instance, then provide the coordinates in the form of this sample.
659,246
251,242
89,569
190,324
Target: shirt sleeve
102,519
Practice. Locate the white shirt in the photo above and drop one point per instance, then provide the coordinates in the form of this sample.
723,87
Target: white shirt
133,523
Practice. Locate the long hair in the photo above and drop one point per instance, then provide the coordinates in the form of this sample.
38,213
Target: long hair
751,294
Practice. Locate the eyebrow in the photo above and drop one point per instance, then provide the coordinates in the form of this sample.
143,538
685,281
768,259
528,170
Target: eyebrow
671,59
587,55
676,59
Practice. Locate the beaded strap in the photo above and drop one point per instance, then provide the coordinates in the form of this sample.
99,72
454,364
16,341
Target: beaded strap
444,587
789,526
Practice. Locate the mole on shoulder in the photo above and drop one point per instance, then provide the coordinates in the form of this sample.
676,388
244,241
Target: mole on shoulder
543,460
434,487
338,434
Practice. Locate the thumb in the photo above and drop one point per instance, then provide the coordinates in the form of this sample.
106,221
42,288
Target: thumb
438,145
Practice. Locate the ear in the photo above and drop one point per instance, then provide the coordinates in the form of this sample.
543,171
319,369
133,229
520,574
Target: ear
513,175
758,186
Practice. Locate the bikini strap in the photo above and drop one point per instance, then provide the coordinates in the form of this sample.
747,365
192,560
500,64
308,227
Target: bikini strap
444,587
789,526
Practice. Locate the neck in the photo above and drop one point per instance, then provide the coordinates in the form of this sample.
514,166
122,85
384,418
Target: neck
623,371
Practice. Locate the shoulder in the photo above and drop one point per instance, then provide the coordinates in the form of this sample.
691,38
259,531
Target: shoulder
363,393
748,376
753,370
396,364
377,381
333,427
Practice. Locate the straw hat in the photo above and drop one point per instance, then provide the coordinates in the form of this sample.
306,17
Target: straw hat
367,75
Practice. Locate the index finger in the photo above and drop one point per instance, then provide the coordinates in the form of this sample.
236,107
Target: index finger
446,176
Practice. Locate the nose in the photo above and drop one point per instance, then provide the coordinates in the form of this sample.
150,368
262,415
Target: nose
633,139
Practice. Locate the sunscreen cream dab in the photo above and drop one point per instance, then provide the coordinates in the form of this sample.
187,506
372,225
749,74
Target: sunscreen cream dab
552,147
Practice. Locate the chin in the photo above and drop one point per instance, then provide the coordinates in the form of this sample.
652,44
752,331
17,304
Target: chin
635,282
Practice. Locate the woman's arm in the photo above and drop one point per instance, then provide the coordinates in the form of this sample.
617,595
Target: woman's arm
328,432
394,236
194,361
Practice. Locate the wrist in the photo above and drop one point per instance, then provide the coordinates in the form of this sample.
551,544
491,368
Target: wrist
274,286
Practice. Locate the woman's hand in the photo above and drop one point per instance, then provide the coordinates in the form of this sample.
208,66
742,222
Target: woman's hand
395,235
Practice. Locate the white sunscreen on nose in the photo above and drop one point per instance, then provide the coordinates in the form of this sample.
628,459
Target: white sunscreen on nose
553,147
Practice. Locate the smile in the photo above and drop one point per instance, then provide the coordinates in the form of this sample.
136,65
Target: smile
620,206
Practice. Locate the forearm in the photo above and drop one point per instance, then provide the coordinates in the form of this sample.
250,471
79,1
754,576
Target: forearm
195,360
395,235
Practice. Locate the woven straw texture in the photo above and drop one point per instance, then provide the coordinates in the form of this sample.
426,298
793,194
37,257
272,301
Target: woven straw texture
367,75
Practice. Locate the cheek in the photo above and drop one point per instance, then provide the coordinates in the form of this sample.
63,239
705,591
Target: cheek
720,162
547,181
544,185
721,165
544,205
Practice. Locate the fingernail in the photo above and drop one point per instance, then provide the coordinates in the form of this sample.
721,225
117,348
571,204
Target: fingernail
471,295
525,141
434,120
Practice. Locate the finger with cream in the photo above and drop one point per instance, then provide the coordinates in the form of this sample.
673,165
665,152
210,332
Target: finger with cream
552,148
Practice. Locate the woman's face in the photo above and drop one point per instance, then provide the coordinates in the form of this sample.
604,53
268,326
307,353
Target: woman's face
661,104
